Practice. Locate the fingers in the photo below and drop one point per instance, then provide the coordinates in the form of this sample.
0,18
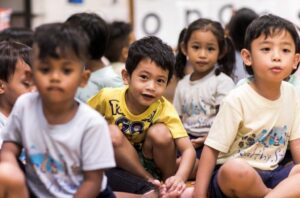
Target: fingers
175,185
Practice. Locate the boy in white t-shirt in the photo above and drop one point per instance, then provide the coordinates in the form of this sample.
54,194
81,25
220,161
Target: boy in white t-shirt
257,121
67,144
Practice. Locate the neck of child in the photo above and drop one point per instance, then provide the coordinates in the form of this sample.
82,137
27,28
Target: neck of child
131,106
270,91
94,65
5,108
60,114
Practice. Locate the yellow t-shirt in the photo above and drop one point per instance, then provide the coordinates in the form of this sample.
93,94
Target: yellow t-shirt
256,129
110,102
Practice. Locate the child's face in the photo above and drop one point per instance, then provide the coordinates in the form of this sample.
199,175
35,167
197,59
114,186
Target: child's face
202,51
146,85
58,79
273,58
19,83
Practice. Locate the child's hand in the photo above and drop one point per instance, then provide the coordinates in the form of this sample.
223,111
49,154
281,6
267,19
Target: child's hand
174,185
199,141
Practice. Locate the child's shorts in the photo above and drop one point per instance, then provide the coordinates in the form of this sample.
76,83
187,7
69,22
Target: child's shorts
149,165
270,179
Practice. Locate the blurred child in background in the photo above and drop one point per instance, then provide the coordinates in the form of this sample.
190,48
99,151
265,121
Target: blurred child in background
101,76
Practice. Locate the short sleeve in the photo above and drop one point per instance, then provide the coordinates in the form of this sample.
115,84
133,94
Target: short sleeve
295,130
225,85
97,102
224,128
170,118
177,99
97,150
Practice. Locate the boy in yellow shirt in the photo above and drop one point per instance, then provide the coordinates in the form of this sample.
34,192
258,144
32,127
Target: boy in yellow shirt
145,128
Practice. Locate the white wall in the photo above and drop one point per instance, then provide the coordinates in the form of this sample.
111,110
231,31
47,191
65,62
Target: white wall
165,18
60,10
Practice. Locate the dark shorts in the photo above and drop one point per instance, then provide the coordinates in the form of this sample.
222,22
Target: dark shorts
270,179
123,181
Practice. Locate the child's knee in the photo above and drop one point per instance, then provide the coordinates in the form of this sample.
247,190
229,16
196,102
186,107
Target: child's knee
117,137
236,171
160,135
295,170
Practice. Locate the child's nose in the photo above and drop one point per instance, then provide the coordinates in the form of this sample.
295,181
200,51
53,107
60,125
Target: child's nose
276,55
202,53
151,85
55,76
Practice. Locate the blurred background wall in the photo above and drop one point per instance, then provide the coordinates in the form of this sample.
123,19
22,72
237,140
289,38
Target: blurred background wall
163,18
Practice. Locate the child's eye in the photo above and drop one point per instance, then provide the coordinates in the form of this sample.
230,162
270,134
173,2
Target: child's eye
44,70
67,70
144,77
161,81
286,50
265,49
210,49
195,47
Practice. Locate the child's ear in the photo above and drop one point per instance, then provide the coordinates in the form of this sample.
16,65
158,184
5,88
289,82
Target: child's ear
125,76
2,87
246,56
85,77
296,60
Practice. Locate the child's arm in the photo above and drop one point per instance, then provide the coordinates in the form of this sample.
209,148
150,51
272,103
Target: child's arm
187,162
295,150
91,184
205,169
9,153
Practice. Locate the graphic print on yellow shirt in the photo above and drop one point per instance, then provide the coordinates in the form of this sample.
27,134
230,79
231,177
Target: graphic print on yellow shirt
110,102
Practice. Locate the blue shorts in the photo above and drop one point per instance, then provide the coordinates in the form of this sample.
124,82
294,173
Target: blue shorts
270,179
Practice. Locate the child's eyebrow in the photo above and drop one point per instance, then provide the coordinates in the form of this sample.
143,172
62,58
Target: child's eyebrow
160,76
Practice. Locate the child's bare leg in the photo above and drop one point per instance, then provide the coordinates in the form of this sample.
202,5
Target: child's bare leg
237,178
160,146
126,156
12,182
288,188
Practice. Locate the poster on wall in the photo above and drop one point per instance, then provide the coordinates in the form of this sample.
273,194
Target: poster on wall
166,18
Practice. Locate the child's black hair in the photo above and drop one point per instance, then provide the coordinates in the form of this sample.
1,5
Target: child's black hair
151,48
18,34
238,24
96,29
226,58
10,53
180,63
270,25
119,38
58,40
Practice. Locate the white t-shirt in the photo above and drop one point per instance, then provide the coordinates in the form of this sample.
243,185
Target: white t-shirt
56,155
256,129
197,101
3,120
99,79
